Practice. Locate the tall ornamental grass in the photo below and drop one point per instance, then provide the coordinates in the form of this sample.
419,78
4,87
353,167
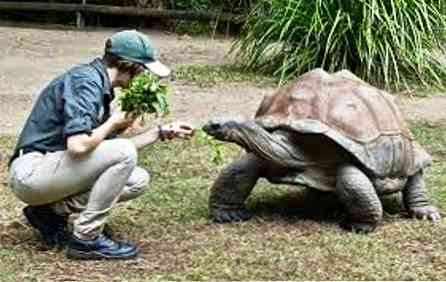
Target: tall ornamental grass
393,43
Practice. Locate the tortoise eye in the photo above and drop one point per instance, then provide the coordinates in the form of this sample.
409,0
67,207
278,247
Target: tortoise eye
215,126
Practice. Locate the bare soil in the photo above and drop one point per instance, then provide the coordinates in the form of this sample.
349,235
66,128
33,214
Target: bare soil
31,56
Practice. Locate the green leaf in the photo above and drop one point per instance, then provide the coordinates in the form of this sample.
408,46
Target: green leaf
145,95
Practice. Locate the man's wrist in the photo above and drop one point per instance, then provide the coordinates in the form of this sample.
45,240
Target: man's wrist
161,133
112,124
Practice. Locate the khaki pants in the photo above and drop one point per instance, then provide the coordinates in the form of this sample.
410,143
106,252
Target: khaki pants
89,186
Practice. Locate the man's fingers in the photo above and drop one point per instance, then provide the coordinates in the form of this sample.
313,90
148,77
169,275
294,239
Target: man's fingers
130,115
185,132
186,127
178,130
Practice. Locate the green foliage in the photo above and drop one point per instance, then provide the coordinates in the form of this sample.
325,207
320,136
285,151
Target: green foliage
217,6
194,4
194,28
145,95
238,6
217,147
389,43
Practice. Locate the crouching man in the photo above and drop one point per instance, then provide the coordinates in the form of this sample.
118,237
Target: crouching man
67,160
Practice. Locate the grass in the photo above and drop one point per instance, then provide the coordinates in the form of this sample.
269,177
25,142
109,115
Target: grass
169,223
208,75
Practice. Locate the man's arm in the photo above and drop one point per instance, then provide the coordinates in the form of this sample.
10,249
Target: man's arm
146,138
79,145
170,131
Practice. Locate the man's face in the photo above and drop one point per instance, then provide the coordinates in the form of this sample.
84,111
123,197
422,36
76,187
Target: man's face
124,78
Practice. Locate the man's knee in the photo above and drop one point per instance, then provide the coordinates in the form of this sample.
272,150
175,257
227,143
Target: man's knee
137,183
123,150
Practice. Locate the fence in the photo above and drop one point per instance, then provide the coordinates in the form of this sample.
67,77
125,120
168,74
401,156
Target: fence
82,8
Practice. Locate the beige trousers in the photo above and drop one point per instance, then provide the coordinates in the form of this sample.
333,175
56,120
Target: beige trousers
89,186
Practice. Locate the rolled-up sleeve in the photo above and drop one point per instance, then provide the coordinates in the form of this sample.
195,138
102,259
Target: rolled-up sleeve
82,104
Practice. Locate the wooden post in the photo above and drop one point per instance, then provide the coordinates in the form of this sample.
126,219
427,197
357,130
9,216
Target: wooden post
120,10
80,19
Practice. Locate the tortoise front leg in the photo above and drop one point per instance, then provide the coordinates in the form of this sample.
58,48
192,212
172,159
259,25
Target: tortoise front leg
358,195
232,187
416,201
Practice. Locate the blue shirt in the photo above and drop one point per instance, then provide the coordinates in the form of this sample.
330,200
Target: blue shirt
76,102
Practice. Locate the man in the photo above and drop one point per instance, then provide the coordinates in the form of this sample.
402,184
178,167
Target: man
66,161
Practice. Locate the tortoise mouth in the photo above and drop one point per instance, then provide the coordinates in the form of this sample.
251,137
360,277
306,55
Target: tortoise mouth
215,130
211,128
223,131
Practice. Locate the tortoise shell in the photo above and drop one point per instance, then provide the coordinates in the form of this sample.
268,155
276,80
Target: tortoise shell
360,118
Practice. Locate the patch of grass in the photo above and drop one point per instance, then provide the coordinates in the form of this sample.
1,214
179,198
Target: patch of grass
431,136
422,92
208,76
436,183
6,146
177,242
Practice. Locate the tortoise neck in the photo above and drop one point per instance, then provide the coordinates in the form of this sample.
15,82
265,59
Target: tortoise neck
275,147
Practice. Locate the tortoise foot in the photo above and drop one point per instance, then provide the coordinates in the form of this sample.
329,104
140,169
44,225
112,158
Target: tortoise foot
226,216
425,212
358,227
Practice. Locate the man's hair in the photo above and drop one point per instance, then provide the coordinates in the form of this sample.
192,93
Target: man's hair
123,65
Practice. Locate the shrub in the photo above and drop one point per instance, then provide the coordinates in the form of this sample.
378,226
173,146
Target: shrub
239,6
385,42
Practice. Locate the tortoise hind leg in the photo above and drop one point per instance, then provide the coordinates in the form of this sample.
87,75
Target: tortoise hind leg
232,187
358,195
416,201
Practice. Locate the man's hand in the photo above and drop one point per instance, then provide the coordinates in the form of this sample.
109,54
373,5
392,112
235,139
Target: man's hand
174,130
122,120
166,132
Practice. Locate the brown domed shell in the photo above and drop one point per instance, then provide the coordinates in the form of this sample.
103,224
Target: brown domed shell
361,118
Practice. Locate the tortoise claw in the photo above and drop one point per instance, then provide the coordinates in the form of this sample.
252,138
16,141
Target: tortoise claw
222,216
425,212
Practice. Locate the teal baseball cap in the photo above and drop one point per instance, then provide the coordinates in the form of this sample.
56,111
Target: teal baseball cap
136,47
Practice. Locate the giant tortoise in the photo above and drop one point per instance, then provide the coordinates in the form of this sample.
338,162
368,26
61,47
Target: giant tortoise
330,132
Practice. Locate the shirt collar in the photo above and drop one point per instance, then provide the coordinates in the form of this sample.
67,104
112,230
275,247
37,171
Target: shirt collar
99,65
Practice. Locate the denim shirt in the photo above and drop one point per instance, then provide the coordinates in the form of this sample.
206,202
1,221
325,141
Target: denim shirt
76,102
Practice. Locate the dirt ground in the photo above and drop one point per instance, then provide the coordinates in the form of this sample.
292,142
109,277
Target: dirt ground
31,56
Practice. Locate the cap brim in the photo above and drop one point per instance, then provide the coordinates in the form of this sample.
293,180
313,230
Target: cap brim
158,68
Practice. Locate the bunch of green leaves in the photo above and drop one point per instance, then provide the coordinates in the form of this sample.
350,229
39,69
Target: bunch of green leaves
394,43
216,147
145,95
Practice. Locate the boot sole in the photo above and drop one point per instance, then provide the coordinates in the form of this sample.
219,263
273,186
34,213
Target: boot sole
81,255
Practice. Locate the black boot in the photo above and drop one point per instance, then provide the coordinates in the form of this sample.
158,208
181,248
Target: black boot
51,226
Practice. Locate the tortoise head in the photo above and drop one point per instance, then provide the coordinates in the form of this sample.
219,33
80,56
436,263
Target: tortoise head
224,128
